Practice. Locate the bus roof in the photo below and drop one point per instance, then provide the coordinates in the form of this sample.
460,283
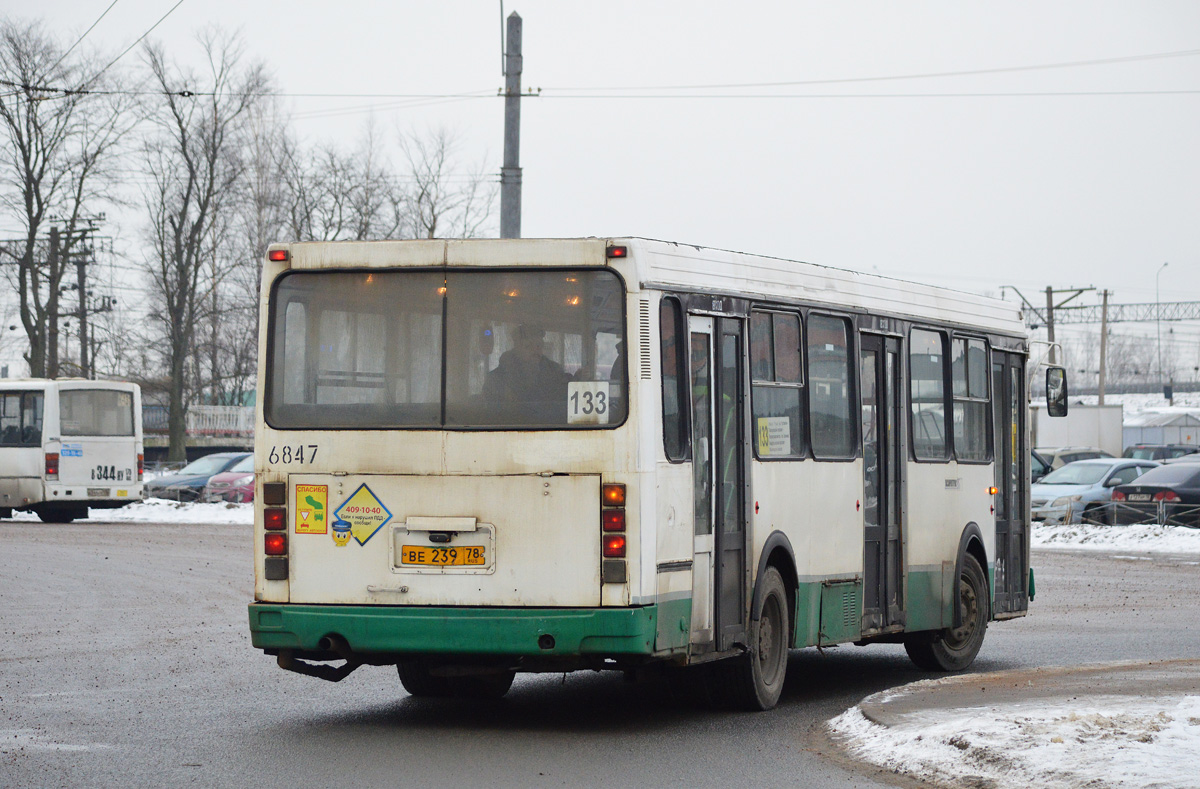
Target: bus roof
665,265
45,384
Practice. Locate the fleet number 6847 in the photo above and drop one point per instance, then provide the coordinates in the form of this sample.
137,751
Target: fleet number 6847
296,454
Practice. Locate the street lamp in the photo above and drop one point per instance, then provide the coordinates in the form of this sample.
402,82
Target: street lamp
1158,324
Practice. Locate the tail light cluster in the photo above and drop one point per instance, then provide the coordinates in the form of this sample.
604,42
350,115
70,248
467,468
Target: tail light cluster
612,532
1166,495
51,465
275,538
141,466
1118,496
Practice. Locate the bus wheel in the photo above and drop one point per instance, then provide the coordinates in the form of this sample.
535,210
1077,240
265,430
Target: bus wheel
754,681
416,679
482,686
953,649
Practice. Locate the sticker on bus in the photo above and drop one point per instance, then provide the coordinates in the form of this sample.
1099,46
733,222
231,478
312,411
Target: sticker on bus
774,435
587,403
365,513
311,505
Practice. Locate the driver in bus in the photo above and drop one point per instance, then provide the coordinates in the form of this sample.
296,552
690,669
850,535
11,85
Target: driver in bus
525,376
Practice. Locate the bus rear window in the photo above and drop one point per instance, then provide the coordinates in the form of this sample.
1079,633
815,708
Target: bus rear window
491,349
95,412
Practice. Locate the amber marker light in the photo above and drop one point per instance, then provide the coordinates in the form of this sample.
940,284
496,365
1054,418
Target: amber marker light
613,494
993,490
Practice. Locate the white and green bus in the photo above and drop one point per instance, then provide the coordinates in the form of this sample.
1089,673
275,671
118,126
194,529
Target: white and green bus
482,457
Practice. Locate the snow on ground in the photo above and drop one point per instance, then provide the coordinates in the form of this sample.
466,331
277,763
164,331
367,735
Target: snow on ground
1093,742
162,511
1144,538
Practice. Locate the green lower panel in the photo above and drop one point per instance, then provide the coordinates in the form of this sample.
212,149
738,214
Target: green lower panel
808,615
477,631
929,598
674,625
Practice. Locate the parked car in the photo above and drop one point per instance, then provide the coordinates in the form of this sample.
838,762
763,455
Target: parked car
1038,466
1058,457
1078,491
1169,494
235,485
188,483
1159,451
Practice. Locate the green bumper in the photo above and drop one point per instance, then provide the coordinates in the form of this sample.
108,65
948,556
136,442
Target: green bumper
462,631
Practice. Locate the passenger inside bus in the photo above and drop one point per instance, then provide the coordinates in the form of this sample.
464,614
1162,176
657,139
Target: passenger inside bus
526,379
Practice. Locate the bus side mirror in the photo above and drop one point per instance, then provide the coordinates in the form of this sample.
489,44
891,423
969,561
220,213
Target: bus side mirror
1056,391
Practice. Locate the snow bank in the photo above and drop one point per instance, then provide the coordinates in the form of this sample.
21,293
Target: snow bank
1144,538
1099,741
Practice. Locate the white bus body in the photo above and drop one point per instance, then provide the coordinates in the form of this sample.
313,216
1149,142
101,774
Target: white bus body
67,445
725,457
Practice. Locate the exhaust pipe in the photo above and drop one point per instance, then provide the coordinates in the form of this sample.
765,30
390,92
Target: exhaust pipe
288,661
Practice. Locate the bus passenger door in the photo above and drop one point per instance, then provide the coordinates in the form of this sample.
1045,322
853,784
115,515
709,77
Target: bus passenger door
718,450
883,539
1012,479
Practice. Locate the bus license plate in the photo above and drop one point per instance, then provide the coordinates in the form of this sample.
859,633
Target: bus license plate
437,556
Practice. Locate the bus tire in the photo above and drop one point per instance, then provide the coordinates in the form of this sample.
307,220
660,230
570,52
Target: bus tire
953,649
416,678
482,686
754,681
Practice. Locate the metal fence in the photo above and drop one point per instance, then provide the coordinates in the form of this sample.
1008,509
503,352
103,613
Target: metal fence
1123,513
203,420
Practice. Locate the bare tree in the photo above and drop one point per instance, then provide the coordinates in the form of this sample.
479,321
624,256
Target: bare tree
441,201
63,128
195,163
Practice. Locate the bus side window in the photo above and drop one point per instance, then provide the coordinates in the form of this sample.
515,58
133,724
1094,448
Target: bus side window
829,398
776,372
927,375
674,377
972,426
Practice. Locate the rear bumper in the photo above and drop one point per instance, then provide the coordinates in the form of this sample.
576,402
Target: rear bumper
457,631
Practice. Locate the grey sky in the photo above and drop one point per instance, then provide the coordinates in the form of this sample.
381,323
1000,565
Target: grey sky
974,190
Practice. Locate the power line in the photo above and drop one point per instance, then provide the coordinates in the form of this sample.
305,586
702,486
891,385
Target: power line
131,46
928,75
81,38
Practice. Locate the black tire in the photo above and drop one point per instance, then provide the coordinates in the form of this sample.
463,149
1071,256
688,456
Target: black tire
754,681
953,649
60,514
482,686
416,679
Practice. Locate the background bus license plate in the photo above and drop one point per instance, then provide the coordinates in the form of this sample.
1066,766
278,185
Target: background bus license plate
437,556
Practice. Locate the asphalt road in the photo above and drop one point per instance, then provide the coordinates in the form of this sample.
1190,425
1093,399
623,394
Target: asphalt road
125,661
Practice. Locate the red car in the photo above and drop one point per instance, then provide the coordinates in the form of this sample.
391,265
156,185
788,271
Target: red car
235,485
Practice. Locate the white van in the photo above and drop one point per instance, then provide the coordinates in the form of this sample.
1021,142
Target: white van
67,445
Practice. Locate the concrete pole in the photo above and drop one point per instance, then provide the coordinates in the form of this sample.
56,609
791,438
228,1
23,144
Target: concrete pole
1050,321
81,278
510,173
1103,343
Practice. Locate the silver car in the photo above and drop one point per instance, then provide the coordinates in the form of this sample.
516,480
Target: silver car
1066,493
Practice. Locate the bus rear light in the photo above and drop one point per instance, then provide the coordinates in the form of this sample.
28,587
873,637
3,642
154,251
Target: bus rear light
274,494
51,465
1118,496
1166,495
141,466
278,255
613,520
614,546
275,544
612,494
617,252
275,519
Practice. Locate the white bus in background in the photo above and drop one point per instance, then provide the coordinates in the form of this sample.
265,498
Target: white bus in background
67,445
482,457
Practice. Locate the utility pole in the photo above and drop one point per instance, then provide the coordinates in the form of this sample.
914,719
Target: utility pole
52,307
510,173
81,261
1103,342
1050,320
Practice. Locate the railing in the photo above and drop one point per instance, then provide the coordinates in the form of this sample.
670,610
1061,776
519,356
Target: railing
1123,513
203,420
